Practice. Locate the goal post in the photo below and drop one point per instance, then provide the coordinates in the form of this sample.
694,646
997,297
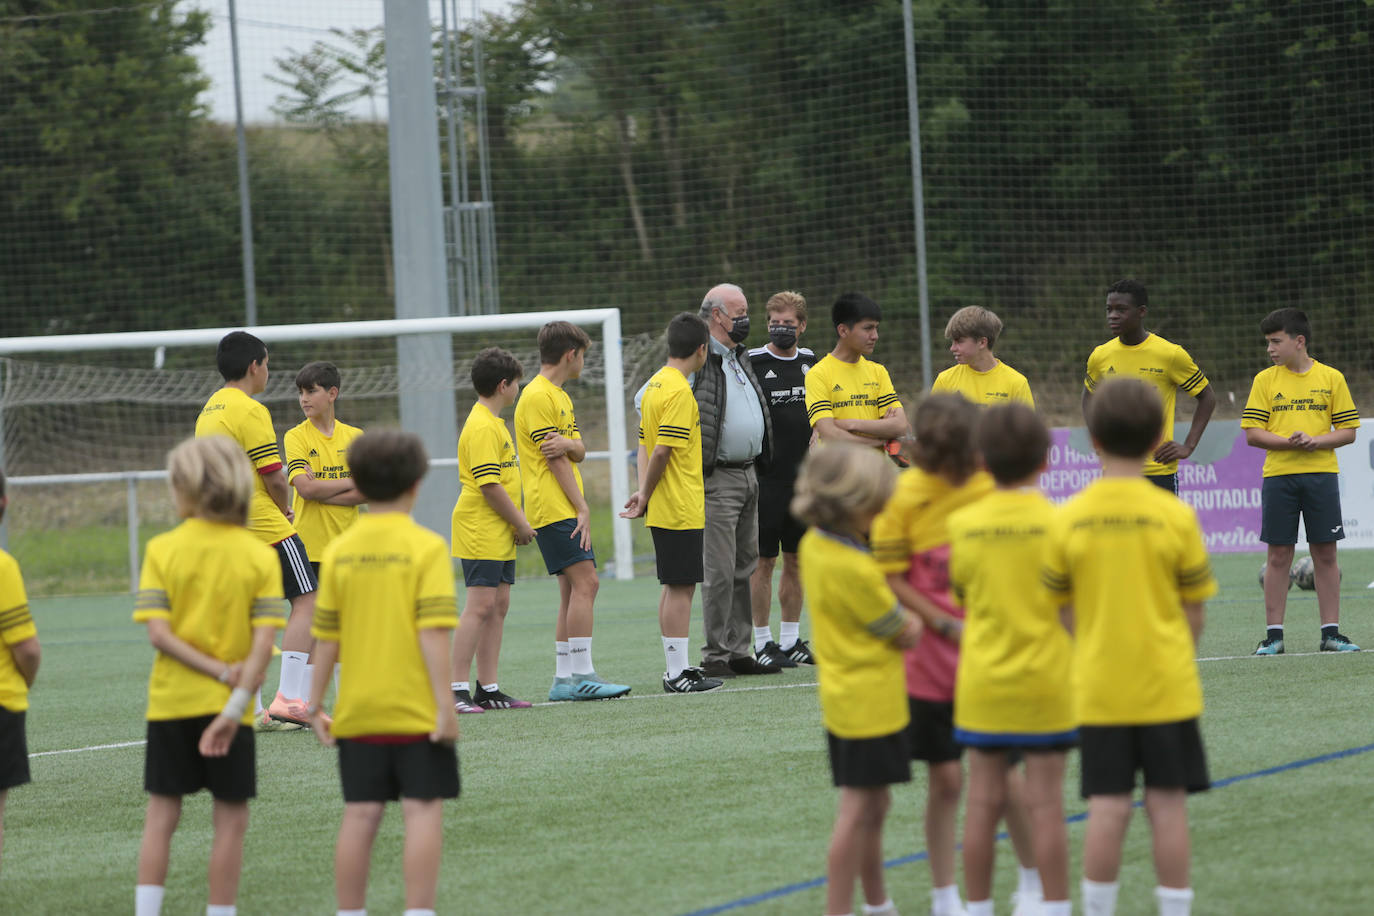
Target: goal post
607,320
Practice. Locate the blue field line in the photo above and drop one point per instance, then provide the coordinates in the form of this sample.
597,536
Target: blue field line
789,889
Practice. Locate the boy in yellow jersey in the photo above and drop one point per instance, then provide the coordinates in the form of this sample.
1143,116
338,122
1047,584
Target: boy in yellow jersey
1300,411
1011,693
850,398
487,527
387,612
210,594
18,667
1136,353
672,494
231,411
978,375
551,448
1130,562
859,630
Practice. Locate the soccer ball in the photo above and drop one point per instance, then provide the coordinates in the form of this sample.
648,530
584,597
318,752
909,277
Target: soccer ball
1304,575
1291,573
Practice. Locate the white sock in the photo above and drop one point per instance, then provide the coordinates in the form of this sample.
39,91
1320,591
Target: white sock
944,901
762,636
1099,897
488,688
213,910
459,685
292,667
1028,882
580,653
1056,908
307,679
788,634
562,661
148,899
979,908
1174,901
257,711
351,913
675,652
886,908
419,913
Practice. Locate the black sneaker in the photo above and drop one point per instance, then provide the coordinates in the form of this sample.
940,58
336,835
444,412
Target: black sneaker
498,699
747,664
800,653
772,654
462,702
691,680
716,668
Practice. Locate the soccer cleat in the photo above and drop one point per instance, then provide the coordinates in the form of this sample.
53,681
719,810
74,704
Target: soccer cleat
800,653
1273,645
263,722
691,680
462,702
1338,643
591,687
561,690
772,654
292,711
496,699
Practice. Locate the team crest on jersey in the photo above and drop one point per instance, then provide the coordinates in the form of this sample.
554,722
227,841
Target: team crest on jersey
806,367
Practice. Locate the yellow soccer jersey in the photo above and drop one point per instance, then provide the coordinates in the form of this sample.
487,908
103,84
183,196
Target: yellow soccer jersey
16,625
381,582
544,408
915,516
1285,402
1126,555
999,385
214,583
668,416
326,457
230,412
1165,365
485,455
1015,655
854,617
848,391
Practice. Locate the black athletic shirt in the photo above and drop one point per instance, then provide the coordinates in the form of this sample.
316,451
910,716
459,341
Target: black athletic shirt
784,385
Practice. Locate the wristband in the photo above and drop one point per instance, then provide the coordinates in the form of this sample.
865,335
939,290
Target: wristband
237,704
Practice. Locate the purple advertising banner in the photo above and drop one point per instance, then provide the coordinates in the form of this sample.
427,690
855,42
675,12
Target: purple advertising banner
1221,481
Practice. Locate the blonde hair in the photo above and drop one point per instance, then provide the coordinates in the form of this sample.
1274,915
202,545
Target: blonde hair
787,300
839,483
974,321
211,479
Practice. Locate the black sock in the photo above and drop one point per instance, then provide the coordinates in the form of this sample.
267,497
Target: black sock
1274,633
1329,629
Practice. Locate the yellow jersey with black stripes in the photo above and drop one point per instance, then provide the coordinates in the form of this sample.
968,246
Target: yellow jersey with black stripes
230,412
668,416
999,385
544,409
486,455
1314,402
326,458
1126,555
1165,365
16,626
839,390
214,583
854,617
381,582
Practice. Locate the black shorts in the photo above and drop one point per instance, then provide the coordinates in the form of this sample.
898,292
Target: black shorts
14,750
1316,496
298,574
488,573
173,764
932,732
559,549
678,555
1164,482
869,762
778,530
385,772
1170,754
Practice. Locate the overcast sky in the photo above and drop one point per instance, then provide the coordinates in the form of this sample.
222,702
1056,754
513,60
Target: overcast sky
269,29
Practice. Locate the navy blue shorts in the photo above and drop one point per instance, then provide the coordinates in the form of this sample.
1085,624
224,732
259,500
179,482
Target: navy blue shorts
1169,754
488,573
297,573
869,762
14,750
558,549
1316,496
382,772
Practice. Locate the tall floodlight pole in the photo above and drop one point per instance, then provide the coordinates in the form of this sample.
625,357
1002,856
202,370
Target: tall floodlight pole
250,282
424,361
913,116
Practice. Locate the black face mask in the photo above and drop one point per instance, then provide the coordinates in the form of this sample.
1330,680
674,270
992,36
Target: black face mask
739,328
783,336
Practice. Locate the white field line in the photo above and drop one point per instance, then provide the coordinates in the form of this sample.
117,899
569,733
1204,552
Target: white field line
665,696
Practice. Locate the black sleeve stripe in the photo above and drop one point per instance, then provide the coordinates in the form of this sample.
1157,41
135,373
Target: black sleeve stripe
1194,381
1054,581
151,599
888,625
262,451
817,408
14,617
